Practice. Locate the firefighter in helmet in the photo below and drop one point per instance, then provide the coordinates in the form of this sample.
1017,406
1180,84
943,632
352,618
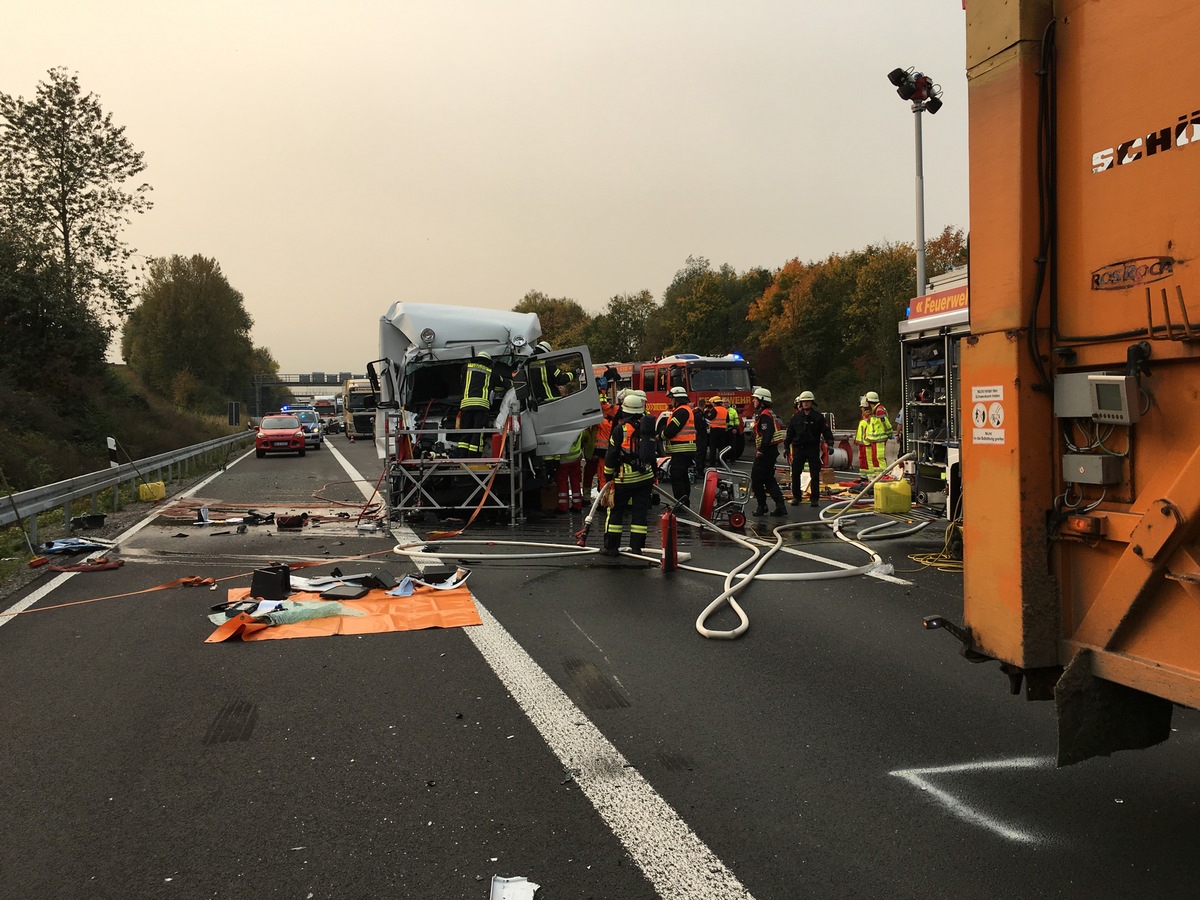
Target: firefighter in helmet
803,445
678,437
769,433
626,465
475,407
877,432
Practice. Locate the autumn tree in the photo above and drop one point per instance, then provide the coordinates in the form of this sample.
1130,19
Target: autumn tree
189,337
563,320
64,165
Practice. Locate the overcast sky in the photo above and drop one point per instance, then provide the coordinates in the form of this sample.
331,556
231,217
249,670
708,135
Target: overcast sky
337,157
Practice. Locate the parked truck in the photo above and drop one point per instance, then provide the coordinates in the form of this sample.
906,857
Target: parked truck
1081,411
358,408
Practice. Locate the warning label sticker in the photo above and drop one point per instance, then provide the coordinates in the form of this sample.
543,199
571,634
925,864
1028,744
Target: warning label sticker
987,435
987,392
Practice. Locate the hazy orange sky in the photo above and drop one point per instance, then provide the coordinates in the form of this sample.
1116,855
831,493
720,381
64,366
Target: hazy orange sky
337,157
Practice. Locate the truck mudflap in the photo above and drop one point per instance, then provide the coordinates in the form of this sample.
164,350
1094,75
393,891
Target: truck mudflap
1097,717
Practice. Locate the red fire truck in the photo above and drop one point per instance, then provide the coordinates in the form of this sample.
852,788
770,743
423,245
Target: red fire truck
729,377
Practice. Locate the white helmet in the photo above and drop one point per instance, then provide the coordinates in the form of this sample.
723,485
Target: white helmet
805,395
762,394
544,347
872,397
633,403
678,391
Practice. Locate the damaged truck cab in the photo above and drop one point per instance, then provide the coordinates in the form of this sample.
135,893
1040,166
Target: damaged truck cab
424,349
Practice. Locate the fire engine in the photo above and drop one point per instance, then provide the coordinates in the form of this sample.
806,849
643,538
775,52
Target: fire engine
729,377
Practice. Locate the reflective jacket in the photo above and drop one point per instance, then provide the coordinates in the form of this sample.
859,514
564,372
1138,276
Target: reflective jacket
621,461
768,429
575,451
719,417
879,426
477,386
679,433
735,419
610,411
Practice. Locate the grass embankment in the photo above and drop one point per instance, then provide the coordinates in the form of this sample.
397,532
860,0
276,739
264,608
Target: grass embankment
62,433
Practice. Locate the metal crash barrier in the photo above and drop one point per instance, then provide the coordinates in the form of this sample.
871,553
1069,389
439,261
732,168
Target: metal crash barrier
433,482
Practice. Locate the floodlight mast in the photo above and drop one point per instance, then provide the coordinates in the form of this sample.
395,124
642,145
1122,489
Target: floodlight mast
925,95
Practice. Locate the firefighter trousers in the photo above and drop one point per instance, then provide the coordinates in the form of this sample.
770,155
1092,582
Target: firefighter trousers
634,500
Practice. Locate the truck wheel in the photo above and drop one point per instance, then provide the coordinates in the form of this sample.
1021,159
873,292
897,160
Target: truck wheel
739,446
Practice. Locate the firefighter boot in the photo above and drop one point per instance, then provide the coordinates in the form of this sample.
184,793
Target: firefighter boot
780,509
761,509
637,543
612,545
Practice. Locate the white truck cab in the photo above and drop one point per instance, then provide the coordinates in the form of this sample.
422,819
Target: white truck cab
423,350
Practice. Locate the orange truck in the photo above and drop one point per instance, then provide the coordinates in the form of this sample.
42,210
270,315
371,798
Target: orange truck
728,377
1081,376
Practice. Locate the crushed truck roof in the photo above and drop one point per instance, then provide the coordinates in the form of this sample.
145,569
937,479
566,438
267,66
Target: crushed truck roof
461,327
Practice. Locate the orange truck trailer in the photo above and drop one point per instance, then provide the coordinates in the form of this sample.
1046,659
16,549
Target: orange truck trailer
1081,376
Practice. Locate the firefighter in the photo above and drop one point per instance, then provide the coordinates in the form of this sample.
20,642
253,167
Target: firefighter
860,437
594,468
626,465
475,407
548,384
678,437
718,430
701,434
769,433
803,445
878,430
733,425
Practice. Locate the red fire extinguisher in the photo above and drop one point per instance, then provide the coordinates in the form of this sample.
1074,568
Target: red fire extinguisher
670,549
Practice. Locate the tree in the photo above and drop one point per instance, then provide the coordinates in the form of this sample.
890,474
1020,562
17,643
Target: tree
63,169
191,320
563,320
44,340
706,311
619,333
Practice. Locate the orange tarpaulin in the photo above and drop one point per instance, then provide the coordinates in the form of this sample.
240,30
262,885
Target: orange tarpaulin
426,608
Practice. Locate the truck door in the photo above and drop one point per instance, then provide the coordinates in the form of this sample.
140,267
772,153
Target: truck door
557,422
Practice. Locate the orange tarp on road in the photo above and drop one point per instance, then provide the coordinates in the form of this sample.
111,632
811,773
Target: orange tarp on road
426,608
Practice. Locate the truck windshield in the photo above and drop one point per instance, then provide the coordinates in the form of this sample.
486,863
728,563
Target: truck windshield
710,379
359,402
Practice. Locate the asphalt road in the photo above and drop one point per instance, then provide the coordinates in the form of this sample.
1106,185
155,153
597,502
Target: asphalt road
585,736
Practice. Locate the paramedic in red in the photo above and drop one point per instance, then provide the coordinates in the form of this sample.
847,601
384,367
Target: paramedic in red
679,442
768,435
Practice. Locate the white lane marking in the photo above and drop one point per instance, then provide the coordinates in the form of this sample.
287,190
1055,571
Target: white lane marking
966,812
367,490
678,864
63,577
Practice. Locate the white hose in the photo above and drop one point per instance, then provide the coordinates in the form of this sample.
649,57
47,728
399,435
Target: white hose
736,579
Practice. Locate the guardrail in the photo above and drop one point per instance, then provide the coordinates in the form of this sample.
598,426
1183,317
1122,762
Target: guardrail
64,493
